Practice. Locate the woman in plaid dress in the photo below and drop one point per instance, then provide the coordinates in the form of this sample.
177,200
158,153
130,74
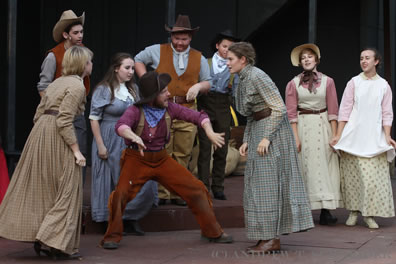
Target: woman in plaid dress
43,202
275,201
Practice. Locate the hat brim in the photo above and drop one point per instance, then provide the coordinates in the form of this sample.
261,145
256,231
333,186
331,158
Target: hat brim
57,32
181,29
164,80
227,36
295,54
147,99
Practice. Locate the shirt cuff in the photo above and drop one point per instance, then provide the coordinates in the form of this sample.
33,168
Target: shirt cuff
93,117
122,128
204,121
294,120
332,117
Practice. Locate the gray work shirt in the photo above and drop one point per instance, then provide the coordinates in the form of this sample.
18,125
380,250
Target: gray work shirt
221,80
48,68
150,56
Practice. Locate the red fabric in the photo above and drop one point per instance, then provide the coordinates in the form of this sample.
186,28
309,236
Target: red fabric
4,178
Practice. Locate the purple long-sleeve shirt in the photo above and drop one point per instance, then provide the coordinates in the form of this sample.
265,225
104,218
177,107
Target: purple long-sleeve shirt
156,138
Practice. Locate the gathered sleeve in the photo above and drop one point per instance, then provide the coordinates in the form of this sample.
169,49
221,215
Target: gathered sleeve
387,111
100,99
204,71
270,93
129,118
291,101
347,102
331,99
180,112
72,102
48,68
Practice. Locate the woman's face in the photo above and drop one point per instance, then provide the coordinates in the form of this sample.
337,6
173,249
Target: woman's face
125,71
308,60
368,61
235,64
88,68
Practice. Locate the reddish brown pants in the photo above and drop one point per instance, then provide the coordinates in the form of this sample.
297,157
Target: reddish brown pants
159,166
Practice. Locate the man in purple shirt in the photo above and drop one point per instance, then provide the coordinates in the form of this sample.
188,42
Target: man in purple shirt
145,128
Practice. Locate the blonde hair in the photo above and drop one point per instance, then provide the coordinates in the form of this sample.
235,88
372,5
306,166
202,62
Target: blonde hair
75,60
244,49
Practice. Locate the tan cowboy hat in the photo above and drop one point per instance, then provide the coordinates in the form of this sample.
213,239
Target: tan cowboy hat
182,25
295,54
68,17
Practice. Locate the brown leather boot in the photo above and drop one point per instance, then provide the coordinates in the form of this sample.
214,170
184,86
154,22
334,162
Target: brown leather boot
265,247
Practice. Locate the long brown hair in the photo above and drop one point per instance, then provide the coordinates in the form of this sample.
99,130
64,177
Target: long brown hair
110,79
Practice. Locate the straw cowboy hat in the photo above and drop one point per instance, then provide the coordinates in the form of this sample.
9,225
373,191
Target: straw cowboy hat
67,18
150,86
295,54
182,25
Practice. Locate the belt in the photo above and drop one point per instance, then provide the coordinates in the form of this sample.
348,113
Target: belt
51,112
179,99
135,147
302,111
262,114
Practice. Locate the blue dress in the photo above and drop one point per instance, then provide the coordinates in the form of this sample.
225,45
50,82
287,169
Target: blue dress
105,173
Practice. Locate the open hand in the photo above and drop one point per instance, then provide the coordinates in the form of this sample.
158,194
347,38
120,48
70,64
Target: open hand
263,147
243,149
217,139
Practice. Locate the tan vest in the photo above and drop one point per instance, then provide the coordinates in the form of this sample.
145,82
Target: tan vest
59,52
179,84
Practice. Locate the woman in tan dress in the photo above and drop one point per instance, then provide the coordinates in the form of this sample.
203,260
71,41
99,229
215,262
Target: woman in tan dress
44,199
312,108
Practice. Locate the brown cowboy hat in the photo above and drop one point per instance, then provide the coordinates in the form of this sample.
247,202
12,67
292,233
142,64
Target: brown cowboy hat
67,18
150,85
182,25
295,54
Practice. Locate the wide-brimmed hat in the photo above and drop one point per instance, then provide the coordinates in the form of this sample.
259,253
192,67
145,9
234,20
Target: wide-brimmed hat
151,84
67,18
295,54
182,24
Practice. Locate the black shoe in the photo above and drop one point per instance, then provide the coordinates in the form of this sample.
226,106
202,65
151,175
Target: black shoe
326,218
110,245
39,250
132,227
56,254
219,196
179,202
162,201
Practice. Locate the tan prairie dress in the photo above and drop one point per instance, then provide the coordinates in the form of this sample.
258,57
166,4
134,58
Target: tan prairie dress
44,199
320,166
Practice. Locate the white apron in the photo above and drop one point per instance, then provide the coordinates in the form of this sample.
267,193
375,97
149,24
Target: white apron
363,135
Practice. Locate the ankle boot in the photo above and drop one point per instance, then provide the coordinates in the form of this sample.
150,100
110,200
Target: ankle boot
352,219
326,218
369,220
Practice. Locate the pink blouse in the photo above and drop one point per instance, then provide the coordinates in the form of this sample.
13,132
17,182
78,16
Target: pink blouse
348,101
331,98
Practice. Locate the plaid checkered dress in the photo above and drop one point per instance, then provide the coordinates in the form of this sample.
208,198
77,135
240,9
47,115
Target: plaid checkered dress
275,200
44,199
